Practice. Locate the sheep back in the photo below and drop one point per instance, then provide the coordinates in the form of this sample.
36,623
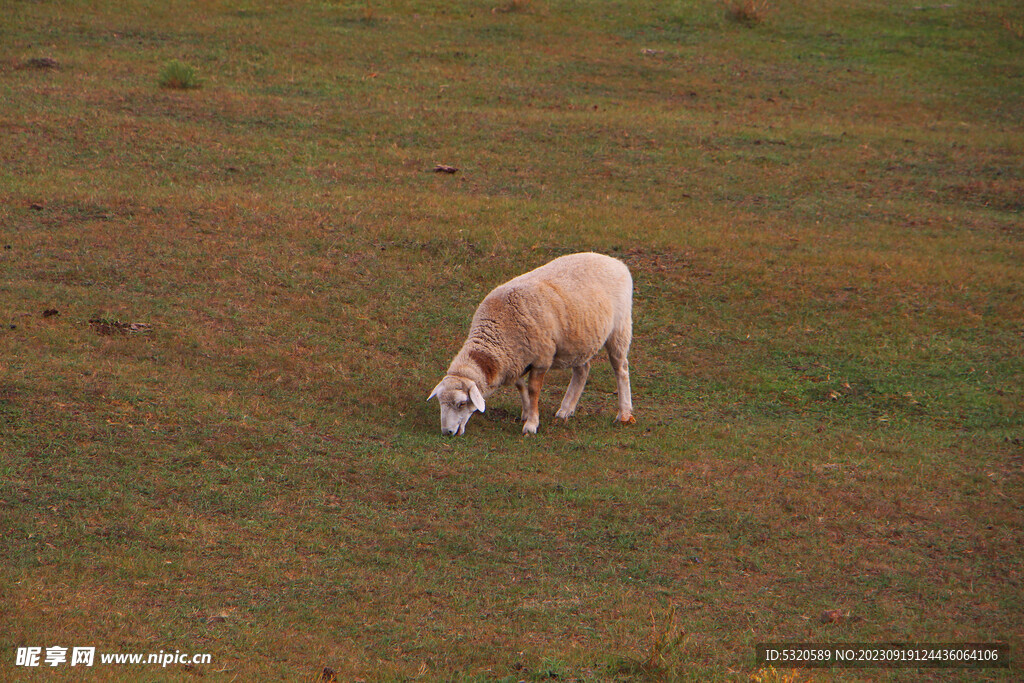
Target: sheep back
558,315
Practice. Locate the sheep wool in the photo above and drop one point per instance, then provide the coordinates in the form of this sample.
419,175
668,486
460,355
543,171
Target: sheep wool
559,315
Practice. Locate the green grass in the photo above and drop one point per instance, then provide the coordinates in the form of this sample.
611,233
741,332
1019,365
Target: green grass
822,212
178,76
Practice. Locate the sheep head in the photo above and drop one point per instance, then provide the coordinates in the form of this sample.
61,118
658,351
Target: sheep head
459,398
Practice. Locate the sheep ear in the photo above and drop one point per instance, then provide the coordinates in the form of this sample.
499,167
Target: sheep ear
476,397
436,390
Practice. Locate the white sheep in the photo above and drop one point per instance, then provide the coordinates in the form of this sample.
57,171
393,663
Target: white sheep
557,316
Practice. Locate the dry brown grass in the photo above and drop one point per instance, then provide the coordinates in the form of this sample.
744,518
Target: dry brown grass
748,12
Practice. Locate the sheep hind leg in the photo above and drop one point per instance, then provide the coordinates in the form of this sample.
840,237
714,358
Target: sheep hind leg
533,388
572,394
618,348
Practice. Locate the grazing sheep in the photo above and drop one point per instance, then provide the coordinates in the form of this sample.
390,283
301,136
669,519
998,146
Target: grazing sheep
557,316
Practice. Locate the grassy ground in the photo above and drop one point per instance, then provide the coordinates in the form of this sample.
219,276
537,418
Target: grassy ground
822,209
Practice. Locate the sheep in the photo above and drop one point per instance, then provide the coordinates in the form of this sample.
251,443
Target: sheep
557,316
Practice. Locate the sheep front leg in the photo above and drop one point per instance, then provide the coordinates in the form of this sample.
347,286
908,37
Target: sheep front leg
572,394
525,395
533,410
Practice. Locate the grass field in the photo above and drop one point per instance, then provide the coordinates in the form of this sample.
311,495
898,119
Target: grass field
229,279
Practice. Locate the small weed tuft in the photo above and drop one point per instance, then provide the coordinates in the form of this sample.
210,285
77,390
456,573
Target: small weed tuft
666,639
663,655
512,6
550,670
747,12
178,76
772,675
1014,26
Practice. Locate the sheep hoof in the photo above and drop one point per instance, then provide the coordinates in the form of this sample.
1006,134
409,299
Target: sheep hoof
564,414
529,429
627,421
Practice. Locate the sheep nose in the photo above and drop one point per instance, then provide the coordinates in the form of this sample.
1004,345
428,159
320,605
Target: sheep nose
447,432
